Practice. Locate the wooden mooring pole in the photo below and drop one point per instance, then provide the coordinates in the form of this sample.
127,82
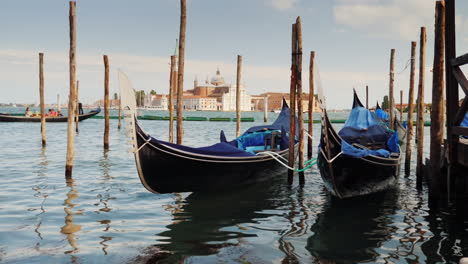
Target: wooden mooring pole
172,82
71,98
420,108
41,99
292,105
367,96
452,97
238,95
106,103
77,110
180,79
401,105
390,93
119,125
437,114
300,108
311,105
409,130
265,108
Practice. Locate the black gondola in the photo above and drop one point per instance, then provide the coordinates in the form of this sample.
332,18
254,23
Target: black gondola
12,118
165,167
361,164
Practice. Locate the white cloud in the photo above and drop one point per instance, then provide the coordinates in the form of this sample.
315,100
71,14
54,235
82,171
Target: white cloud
397,19
283,4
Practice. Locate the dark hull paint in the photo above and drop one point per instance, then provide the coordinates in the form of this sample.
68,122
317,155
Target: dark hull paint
8,118
347,176
164,169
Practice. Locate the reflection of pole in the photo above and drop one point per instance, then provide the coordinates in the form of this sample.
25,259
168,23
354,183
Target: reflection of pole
69,229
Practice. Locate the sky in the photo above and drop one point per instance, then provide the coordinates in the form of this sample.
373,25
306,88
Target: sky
352,40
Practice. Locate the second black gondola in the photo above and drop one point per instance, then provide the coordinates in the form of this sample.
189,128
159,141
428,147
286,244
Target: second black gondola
363,158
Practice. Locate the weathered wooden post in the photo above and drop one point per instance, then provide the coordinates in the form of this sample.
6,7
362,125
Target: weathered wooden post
41,98
292,105
180,80
409,130
452,95
106,103
58,102
390,93
401,105
420,108
311,105
172,81
265,108
77,110
300,108
119,125
71,99
367,96
238,95
437,117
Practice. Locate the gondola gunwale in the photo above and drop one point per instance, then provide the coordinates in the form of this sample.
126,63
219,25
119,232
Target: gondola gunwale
200,157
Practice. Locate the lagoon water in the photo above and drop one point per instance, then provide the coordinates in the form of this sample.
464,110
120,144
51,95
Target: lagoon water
105,215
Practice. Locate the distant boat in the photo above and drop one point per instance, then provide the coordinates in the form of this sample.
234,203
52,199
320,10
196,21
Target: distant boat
154,108
165,167
276,111
5,117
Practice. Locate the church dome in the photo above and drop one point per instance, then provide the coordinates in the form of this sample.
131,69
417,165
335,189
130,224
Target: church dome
218,79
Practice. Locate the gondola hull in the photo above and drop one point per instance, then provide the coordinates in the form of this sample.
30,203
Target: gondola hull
345,176
11,118
164,169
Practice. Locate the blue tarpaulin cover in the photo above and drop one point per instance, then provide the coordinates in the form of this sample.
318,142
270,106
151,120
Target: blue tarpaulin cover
464,123
362,128
381,114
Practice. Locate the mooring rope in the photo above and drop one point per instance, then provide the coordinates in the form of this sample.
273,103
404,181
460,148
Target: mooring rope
308,164
146,142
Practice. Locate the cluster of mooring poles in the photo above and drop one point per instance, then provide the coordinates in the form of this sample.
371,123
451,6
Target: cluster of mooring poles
296,95
445,170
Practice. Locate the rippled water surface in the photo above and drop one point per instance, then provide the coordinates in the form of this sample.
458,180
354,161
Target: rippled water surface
104,215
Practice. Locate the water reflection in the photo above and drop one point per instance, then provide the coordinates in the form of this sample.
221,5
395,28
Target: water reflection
205,223
449,240
104,199
298,215
349,230
40,192
70,228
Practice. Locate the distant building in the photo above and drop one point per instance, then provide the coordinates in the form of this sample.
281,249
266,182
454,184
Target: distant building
222,92
275,102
